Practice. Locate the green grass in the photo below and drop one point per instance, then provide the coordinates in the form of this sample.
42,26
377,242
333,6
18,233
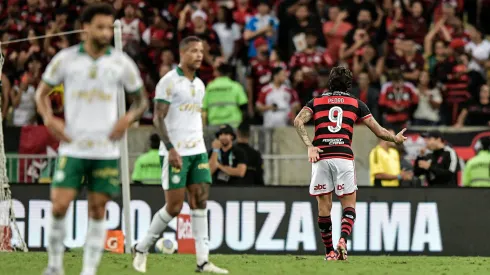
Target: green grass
34,263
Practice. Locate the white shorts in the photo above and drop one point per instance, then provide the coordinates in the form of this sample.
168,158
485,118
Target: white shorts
328,175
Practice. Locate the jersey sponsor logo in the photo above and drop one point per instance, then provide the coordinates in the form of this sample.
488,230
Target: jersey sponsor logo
175,170
190,107
333,141
203,166
320,187
106,173
93,95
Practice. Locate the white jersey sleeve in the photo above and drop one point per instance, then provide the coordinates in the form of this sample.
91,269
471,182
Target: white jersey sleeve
131,80
163,91
54,73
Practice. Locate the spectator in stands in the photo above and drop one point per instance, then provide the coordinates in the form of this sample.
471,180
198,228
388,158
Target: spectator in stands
412,63
440,167
355,7
29,48
255,163
475,173
211,42
229,33
132,26
357,38
23,96
227,162
259,73
310,60
476,112
148,167
302,24
159,36
453,74
225,101
384,165
277,102
479,51
415,24
243,12
367,60
367,93
335,30
430,99
263,24
397,102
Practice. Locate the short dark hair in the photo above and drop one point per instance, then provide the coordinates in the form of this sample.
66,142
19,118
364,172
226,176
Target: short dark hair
340,79
96,9
225,69
188,40
154,141
244,129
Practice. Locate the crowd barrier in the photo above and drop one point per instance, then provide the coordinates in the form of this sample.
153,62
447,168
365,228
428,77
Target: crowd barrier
283,220
31,151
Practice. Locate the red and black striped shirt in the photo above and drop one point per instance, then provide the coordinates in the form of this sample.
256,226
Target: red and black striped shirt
335,114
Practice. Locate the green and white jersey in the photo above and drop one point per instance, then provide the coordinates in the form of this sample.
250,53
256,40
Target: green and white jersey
183,121
90,98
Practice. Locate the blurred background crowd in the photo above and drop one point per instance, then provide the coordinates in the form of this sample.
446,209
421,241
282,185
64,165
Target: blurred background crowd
415,62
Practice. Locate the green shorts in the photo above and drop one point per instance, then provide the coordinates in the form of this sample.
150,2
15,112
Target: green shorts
100,175
195,169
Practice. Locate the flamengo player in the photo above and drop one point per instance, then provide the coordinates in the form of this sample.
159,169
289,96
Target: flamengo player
92,73
335,114
178,102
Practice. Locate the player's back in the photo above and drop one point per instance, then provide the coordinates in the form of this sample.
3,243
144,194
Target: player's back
334,115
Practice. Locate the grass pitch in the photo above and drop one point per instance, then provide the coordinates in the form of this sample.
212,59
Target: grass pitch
33,263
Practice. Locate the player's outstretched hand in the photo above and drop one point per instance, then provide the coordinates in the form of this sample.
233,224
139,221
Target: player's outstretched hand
314,154
56,126
121,126
400,138
174,159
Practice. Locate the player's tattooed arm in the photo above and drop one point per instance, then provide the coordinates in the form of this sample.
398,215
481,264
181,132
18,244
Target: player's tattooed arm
299,122
139,104
378,130
161,111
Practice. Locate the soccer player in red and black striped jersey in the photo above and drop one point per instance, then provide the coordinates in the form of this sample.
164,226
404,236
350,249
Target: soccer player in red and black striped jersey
335,112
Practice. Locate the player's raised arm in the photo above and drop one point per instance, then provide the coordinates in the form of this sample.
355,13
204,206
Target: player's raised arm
383,133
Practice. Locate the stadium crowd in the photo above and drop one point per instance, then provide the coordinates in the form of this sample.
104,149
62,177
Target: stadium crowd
422,62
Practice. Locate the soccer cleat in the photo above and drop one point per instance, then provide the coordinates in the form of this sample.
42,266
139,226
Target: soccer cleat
342,250
53,271
211,268
139,260
332,256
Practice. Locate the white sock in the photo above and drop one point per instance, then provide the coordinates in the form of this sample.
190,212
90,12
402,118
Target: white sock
199,225
94,245
159,222
56,247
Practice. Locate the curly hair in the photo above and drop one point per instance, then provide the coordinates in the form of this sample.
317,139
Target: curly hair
340,79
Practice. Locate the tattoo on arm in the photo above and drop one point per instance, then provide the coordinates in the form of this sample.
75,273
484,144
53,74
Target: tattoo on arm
299,122
139,104
161,111
379,131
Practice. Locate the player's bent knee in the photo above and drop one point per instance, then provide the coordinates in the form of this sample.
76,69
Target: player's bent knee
59,209
173,209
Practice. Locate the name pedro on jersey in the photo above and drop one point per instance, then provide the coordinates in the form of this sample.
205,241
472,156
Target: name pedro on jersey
336,100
